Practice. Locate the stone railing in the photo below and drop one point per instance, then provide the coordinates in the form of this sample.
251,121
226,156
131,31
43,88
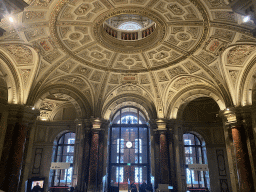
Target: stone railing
129,35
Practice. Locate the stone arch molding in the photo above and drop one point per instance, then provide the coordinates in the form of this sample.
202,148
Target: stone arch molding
20,64
180,101
53,98
78,82
55,137
12,84
237,64
129,88
127,100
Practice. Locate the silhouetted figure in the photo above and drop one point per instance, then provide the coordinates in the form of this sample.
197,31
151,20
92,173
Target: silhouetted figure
37,188
143,187
133,187
149,188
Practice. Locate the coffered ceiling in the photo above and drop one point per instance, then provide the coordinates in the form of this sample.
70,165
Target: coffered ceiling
57,53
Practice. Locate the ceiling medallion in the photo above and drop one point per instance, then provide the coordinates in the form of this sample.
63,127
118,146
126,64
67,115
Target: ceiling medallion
130,42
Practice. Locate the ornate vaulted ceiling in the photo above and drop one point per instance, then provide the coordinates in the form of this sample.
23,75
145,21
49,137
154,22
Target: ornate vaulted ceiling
57,54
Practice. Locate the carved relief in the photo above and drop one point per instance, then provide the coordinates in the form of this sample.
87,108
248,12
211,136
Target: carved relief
177,29
64,31
34,34
224,15
207,58
67,66
176,71
234,76
120,1
114,79
82,9
194,31
224,34
82,29
41,3
162,76
34,15
144,79
97,55
182,82
51,57
75,81
75,36
176,9
129,88
138,1
83,71
129,61
161,7
97,7
161,55
21,54
25,73
238,54
191,67
217,3
47,105
96,76
183,36
71,45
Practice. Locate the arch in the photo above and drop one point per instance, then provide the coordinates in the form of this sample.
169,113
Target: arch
181,99
54,138
135,112
129,100
246,83
239,95
22,61
11,77
70,94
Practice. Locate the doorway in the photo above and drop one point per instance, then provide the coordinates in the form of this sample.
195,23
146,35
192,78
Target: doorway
128,152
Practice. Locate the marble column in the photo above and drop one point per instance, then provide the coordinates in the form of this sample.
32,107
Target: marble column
180,183
78,155
244,174
162,172
82,180
96,156
246,119
20,119
3,124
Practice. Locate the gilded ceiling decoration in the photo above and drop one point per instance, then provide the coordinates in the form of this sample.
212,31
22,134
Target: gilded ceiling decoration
194,43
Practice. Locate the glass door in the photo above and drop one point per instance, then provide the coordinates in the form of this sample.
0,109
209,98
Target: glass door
129,156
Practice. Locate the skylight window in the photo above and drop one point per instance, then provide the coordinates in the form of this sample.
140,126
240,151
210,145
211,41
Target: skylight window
130,26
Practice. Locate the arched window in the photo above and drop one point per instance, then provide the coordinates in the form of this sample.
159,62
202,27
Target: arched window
195,160
65,154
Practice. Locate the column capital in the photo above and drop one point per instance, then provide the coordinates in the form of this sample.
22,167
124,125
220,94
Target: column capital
161,124
98,123
229,116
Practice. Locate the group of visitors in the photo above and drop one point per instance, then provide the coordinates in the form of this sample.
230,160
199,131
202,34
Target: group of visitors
143,187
